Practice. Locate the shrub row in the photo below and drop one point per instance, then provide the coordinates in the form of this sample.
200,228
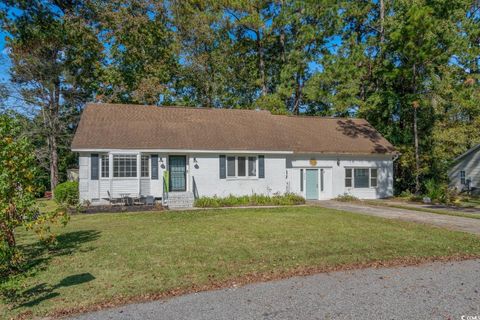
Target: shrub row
250,200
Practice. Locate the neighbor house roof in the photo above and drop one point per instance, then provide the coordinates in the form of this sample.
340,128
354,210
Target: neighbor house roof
466,153
121,126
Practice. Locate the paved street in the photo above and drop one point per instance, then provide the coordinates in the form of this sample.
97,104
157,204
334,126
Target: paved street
432,291
445,221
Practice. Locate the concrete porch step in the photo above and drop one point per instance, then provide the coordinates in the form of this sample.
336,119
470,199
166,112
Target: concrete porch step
178,200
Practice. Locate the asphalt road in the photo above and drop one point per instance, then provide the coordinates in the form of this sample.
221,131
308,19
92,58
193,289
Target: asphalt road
432,291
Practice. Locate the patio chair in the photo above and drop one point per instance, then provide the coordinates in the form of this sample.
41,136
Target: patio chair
114,201
139,201
149,201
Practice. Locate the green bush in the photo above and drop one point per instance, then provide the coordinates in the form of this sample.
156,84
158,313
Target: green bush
433,190
67,193
346,198
252,200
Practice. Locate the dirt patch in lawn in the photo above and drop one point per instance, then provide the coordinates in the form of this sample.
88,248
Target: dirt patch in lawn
247,279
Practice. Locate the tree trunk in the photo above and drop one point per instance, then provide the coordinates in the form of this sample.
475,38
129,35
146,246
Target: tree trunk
298,94
417,157
382,21
52,145
261,63
415,131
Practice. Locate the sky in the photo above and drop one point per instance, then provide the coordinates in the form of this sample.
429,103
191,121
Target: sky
4,60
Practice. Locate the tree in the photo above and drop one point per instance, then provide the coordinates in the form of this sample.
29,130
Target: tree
55,56
17,192
141,65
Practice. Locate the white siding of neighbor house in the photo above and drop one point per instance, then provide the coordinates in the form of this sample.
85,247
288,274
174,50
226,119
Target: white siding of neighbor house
470,163
282,174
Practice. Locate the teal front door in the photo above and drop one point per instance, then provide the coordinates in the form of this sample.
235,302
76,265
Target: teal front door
312,184
178,173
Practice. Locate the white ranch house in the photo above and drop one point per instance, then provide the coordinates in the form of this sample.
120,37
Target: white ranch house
177,153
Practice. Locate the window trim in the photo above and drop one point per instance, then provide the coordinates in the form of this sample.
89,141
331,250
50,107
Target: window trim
463,177
353,178
101,156
247,176
148,166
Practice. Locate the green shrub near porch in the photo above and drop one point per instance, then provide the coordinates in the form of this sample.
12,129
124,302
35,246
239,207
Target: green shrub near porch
67,193
250,200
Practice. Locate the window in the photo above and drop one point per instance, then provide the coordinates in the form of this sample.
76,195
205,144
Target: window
348,178
462,177
230,166
361,177
252,166
241,166
105,166
124,166
373,178
144,166
242,171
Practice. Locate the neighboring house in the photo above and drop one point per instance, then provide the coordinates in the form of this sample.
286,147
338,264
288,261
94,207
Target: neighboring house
143,150
464,175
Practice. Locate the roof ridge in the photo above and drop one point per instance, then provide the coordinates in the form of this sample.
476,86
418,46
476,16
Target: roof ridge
223,109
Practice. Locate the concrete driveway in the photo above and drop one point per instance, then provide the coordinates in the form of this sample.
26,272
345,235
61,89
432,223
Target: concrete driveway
450,222
432,291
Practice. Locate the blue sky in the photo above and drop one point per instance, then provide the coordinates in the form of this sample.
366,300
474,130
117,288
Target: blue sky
4,60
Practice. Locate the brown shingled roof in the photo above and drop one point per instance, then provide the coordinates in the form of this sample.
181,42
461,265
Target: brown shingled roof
120,126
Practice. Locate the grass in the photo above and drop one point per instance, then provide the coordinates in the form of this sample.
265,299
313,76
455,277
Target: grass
115,257
47,205
429,210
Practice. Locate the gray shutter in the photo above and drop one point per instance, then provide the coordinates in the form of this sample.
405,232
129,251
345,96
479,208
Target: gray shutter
261,166
94,161
154,160
223,167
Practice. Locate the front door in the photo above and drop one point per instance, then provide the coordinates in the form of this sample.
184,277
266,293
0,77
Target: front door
312,184
178,173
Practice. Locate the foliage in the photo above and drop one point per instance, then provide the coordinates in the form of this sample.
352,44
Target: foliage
346,198
18,169
433,190
67,193
251,200
54,56
410,67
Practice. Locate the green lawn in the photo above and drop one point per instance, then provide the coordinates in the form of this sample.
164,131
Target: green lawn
111,257
46,205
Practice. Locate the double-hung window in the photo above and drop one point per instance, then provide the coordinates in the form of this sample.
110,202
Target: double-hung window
145,168
252,166
241,167
462,177
230,166
361,178
124,166
105,165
